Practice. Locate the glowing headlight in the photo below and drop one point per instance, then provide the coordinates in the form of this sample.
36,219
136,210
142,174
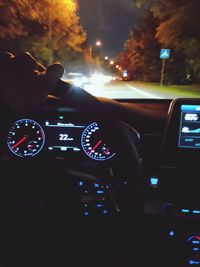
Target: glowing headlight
100,79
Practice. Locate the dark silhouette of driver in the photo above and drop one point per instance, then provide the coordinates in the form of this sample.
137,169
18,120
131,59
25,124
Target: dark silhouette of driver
24,82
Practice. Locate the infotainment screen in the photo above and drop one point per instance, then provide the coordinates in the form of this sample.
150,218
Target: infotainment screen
189,133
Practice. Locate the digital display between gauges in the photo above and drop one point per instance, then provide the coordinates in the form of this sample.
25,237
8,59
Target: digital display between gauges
94,145
26,138
63,136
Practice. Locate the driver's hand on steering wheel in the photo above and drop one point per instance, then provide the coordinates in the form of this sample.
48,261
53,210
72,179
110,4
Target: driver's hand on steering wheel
24,82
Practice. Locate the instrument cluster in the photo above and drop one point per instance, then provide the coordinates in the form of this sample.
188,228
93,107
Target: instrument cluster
28,138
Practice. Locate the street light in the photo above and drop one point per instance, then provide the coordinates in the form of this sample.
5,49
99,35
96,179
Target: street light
112,62
98,43
106,58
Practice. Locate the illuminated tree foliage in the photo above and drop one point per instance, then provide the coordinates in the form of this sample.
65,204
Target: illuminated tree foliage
177,28
141,51
49,29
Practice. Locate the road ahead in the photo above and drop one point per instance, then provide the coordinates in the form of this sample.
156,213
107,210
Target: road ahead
119,89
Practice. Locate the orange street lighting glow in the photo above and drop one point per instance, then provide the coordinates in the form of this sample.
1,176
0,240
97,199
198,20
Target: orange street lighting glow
112,62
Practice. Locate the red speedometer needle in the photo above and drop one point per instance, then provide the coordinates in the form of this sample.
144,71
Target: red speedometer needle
96,145
20,142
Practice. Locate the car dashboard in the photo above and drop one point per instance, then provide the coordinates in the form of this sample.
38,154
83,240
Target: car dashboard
167,136
73,137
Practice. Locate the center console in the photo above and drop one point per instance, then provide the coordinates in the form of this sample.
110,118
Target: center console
172,187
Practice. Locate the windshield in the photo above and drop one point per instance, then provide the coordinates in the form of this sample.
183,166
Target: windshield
111,48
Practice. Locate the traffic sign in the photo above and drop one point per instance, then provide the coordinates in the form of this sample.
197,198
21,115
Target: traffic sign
165,53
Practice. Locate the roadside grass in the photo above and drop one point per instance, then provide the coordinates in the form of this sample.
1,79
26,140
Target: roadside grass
180,90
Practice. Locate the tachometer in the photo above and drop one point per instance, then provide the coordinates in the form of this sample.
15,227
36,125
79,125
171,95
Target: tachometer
94,145
26,138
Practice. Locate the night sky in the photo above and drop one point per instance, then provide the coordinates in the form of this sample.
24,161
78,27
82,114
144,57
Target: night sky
108,20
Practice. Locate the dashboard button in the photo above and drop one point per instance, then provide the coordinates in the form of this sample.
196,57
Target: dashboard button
154,181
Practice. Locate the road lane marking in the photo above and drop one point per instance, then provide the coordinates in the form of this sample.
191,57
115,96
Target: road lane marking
139,91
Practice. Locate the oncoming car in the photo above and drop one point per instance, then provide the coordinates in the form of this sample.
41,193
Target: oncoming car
77,79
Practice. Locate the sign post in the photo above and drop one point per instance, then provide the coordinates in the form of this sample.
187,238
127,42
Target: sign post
162,72
164,54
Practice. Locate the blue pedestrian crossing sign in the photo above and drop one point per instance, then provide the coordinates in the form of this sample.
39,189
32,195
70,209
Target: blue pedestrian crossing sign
165,53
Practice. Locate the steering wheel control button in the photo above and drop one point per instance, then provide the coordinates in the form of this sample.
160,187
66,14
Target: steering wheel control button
81,183
86,213
194,240
171,233
194,262
100,205
194,250
100,192
196,212
185,211
105,212
95,199
97,185
26,138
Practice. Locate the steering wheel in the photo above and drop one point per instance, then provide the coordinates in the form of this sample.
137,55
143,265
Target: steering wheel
118,137
26,182
29,179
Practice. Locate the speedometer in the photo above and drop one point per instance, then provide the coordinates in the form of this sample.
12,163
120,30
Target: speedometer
26,138
94,145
